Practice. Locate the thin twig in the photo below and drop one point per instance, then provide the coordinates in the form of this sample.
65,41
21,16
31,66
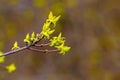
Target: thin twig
14,51
42,45
43,51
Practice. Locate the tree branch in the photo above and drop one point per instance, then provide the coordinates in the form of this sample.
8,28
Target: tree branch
21,49
43,51
42,45
29,47
14,51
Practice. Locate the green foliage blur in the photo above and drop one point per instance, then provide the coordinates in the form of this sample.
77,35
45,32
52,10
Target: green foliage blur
91,28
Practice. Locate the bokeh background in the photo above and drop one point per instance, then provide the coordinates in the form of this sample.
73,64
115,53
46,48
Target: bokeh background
91,28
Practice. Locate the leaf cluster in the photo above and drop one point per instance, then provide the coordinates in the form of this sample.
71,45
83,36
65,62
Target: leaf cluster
31,39
47,30
58,42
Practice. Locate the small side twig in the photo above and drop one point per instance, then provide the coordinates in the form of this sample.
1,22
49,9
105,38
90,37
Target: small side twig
42,45
43,51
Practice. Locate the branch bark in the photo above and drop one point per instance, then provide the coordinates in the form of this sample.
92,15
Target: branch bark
14,51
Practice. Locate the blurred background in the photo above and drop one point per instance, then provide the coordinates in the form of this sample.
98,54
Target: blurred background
91,28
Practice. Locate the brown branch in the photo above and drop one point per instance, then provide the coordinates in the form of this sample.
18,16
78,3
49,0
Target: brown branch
14,51
42,45
43,51
21,49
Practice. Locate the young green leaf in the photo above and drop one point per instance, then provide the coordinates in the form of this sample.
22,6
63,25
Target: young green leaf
27,39
59,36
64,49
46,26
50,15
32,36
46,32
11,68
50,32
57,41
55,20
27,36
15,46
